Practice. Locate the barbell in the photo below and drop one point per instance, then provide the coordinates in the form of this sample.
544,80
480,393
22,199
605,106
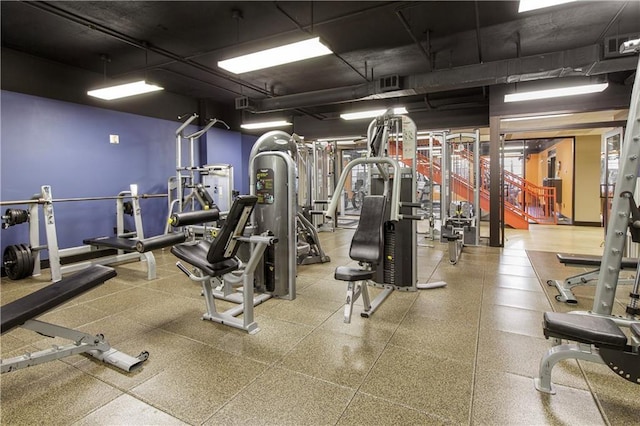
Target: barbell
65,200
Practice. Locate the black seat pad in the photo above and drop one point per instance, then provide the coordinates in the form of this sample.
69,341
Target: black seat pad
127,244
590,260
598,331
344,273
196,254
635,328
32,305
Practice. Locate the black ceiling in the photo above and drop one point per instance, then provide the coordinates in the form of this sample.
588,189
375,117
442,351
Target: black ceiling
437,48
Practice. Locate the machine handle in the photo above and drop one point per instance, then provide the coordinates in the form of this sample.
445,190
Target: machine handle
183,269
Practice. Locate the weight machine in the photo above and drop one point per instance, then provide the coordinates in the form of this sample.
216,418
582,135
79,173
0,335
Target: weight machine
597,334
208,185
460,196
394,179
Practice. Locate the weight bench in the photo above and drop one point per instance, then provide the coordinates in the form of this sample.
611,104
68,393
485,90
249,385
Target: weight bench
367,247
217,264
564,287
22,313
143,246
597,339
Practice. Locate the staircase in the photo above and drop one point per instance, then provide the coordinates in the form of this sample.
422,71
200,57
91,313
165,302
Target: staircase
524,201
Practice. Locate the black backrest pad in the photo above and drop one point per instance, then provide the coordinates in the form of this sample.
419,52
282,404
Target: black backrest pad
32,305
368,240
224,246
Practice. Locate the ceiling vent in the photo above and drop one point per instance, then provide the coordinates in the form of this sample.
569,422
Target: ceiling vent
244,102
389,83
612,44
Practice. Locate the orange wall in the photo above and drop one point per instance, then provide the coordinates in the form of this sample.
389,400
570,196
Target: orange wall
587,178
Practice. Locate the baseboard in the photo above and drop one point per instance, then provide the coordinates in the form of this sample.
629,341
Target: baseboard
592,224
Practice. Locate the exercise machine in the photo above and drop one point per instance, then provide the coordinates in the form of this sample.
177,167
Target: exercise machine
309,249
209,186
220,271
460,167
396,183
24,311
23,260
596,334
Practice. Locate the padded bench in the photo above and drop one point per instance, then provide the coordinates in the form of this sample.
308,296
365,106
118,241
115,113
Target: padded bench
601,332
597,339
24,311
37,303
132,244
589,260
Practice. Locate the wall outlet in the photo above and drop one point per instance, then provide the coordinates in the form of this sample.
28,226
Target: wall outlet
114,139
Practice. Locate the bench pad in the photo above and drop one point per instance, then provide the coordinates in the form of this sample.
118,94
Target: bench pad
589,260
344,273
195,254
126,244
32,305
601,332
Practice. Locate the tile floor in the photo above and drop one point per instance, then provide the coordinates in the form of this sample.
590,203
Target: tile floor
464,354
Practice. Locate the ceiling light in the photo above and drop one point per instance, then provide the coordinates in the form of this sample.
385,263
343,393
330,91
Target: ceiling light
265,125
535,117
276,56
124,90
555,93
339,138
527,5
371,113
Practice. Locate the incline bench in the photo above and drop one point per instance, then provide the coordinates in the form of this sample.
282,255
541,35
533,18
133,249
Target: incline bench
564,287
598,339
22,313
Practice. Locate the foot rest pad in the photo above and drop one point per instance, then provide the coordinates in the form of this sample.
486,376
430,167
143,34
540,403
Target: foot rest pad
601,332
344,273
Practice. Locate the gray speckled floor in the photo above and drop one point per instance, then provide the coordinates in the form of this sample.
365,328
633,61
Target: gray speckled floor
463,354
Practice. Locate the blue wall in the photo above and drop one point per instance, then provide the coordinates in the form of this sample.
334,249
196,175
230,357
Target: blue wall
231,148
66,145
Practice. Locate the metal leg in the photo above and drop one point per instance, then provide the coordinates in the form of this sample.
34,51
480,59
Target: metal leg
559,353
96,346
354,290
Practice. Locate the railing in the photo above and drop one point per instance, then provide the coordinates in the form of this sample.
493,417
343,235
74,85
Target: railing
524,201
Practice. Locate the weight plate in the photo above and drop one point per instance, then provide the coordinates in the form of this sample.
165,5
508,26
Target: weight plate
24,264
29,260
11,259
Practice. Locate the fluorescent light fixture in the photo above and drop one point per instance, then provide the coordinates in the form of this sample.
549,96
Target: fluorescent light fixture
124,90
371,113
346,143
555,93
515,148
527,5
339,138
276,56
535,117
265,124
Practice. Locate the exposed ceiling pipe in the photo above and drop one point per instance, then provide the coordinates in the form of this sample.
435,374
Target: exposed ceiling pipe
583,61
304,30
422,49
49,8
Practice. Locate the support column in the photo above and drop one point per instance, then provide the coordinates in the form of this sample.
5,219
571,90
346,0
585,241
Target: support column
496,225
